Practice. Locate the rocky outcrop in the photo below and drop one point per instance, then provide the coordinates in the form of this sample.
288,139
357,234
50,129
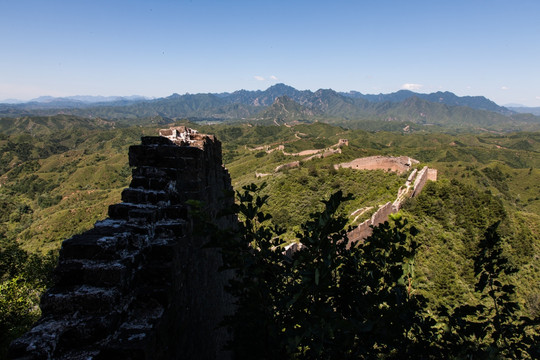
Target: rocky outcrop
140,284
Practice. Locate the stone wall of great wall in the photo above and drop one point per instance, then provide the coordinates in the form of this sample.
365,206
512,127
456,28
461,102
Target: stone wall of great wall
413,186
140,285
399,164
310,154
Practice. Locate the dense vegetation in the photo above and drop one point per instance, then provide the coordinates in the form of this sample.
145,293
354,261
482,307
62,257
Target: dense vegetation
327,301
59,174
24,276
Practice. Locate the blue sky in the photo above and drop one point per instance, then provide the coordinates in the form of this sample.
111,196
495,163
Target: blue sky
156,48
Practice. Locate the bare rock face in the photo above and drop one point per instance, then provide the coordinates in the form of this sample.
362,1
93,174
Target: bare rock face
140,285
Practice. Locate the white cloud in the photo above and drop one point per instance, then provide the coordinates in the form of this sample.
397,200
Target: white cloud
263,78
412,86
504,88
538,98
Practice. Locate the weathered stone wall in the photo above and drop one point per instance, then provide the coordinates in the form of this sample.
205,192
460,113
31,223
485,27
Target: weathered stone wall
381,215
287,166
413,186
360,232
420,181
140,285
432,174
365,229
399,164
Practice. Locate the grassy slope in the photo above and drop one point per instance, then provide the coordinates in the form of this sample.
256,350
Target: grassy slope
87,168
80,184
498,173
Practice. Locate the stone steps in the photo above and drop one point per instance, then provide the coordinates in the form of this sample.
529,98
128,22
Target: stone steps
100,273
145,196
81,299
92,246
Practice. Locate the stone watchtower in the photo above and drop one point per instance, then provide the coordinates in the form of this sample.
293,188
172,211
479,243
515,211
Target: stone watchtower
140,285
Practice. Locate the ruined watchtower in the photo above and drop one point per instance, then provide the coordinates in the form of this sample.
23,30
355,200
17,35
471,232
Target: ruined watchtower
140,285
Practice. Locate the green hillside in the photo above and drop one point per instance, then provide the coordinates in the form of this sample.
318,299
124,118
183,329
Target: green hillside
59,174
59,184
66,179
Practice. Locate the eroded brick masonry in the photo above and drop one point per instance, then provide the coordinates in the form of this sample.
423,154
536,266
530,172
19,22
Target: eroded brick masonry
140,284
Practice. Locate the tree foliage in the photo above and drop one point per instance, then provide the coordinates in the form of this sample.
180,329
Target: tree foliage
23,277
492,329
332,301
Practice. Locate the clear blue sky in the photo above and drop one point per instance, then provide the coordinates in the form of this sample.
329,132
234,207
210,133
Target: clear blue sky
156,48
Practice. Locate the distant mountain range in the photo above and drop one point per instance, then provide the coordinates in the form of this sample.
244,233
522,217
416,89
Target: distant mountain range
448,98
525,110
77,101
280,104
87,99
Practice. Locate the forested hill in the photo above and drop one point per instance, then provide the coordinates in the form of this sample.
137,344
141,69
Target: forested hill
58,174
351,109
446,97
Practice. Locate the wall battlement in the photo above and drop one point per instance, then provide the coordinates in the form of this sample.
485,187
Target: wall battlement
140,285
398,164
413,186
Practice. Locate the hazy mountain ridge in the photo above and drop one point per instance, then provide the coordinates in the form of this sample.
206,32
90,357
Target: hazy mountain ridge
525,110
41,125
262,98
77,101
265,97
347,109
351,112
446,97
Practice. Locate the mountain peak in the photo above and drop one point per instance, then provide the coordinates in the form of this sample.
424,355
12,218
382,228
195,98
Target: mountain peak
326,92
285,110
281,87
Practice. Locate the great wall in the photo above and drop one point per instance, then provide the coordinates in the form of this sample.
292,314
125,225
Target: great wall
311,154
412,187
414,184
141,284
400,164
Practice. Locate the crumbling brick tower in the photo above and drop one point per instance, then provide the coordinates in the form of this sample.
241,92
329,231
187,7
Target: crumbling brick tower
140,284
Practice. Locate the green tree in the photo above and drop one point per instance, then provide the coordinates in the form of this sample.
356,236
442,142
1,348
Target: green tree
253,252
19,309
493,328
326,301
23,277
